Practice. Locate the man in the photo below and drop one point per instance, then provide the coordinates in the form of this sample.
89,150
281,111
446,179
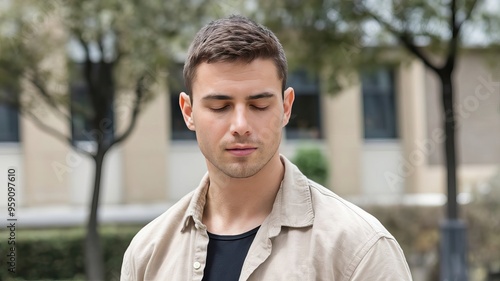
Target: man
254,216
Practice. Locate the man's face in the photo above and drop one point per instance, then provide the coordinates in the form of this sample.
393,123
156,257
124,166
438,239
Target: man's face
238,114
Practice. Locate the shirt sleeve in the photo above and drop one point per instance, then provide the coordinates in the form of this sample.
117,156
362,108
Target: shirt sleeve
127,269
384,261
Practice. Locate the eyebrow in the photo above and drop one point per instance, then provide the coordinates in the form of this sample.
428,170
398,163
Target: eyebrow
264,95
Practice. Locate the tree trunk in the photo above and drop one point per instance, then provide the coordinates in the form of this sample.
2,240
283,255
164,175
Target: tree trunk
94,261
449,145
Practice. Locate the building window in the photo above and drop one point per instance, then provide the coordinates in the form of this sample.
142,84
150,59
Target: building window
379,110
176,86
82,127
9,122
305,122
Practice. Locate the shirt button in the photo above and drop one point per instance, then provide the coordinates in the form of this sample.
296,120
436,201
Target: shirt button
196,265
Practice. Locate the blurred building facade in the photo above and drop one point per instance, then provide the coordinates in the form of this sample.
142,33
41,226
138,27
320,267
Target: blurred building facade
383,138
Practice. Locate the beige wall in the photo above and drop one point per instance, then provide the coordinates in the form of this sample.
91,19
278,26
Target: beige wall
343,133
82,177
377,169
145,152
411,113
409,164
477,108
46,164
51,173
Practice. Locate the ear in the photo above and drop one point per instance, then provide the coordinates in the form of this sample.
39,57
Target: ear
187,110
288,98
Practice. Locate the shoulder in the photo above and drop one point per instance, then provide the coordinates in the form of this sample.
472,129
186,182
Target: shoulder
342,213
365,242
331,212
155,234
170,220
356,239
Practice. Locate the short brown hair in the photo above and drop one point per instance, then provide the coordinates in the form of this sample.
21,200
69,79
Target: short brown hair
236,38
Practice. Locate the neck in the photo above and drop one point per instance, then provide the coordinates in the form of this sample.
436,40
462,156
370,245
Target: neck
236,205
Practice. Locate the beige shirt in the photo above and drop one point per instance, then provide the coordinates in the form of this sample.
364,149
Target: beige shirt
311,234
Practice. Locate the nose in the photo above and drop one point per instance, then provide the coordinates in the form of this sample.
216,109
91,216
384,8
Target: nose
239,122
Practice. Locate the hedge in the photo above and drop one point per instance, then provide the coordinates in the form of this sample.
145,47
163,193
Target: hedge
57,254
311,161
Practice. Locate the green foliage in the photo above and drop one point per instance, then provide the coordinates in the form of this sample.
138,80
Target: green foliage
116,51
323,36
311,161
136,38
57,254
337,38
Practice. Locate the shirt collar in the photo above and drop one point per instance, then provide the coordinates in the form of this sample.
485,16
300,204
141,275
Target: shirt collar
292,206
194,211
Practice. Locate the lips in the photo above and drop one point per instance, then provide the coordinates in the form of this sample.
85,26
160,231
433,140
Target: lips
241,150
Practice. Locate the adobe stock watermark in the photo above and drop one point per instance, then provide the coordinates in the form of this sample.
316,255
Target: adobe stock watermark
350,50
417,157
73,159
11,222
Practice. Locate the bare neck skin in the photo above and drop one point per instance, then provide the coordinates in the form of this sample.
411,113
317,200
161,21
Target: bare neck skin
237,205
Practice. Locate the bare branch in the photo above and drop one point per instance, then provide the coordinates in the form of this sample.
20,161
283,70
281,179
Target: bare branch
453,17
454,40
51,131
84,45
468,15
404,38
101,46
139,93
42,90
88,63
455,28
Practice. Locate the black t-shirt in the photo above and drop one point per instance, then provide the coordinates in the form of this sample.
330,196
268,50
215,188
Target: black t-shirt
226,254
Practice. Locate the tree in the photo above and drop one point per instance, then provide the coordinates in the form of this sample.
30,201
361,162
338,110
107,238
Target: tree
121,49
335,31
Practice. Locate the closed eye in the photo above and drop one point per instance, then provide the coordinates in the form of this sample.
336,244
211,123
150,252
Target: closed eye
260,108
219,109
